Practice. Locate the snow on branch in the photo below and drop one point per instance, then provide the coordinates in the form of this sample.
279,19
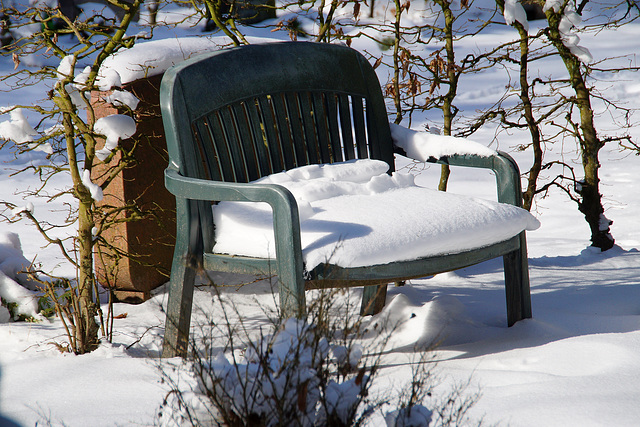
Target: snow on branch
18,130
555,5
20,209
570,19
66,67
114,128
94,189
121,98
514,12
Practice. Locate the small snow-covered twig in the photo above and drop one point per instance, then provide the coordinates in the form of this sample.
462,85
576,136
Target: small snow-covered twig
19,209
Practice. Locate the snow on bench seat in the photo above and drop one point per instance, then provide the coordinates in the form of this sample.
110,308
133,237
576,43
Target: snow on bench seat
354,214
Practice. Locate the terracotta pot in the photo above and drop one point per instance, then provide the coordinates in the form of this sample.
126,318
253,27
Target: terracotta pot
149,239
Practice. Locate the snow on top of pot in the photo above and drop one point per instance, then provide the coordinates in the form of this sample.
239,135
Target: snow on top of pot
146,59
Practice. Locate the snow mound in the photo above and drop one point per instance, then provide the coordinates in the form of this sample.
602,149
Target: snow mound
441,321
12,263
354,214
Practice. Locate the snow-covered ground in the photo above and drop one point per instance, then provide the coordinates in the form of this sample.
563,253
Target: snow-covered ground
575,363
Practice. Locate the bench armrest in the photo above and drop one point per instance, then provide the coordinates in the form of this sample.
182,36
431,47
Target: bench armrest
503,165
286,222
449,150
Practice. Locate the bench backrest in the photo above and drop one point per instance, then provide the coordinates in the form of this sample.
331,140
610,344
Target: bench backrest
242,113
239,114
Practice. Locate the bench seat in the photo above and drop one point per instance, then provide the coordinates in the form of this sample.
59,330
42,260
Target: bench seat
353,214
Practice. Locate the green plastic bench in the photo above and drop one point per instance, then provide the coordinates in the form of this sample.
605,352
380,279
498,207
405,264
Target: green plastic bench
236,115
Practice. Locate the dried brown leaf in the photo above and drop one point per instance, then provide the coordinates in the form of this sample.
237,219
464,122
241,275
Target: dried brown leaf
390,90
414,85
434,85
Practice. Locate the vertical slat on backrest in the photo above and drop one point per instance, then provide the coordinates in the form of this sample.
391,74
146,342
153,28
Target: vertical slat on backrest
308,123
322,126
259,136
360,127
220,147
335,143
270,131
299,141
229,129
346,127
205,163
284,132
252,138
246,141
204,150
374,142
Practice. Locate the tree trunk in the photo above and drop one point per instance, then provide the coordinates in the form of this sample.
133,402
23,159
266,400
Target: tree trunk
590,203
87,334
86,328
534,130
452,80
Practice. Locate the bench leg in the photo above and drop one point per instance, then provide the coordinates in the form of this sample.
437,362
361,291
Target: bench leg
176,330
373,299
292,287
181,282
516,277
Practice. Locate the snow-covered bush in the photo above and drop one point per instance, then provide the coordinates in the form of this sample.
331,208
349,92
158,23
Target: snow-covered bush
304,372
288,378
318,371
